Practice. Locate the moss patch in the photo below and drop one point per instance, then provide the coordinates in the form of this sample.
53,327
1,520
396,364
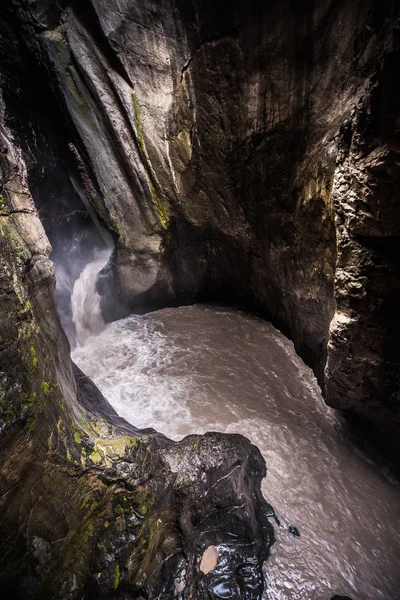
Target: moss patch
34,357
95,457
117,577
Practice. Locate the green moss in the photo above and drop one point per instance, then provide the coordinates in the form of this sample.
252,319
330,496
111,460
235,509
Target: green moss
29,400
143,510
77,433
144,501
14,244
34,357
60,427
86,532
95,457
45,388
118,510
83,457
162,209
8,413
117,577
31,423
26,307
48,387
118,445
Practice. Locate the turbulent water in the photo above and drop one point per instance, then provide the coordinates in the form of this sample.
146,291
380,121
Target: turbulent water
196,369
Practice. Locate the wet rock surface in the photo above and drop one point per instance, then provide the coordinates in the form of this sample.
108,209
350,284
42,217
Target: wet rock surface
294,531
362,371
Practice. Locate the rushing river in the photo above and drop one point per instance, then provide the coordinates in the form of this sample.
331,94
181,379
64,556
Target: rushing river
202,368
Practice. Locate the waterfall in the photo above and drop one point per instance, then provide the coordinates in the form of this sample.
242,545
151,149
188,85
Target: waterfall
85,300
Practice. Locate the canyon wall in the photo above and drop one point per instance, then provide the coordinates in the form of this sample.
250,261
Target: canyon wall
240,152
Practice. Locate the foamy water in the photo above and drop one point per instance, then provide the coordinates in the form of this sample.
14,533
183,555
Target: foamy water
85,300
196,369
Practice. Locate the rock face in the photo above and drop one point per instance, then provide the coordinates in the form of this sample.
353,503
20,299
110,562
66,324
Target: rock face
243,153
91,507
362,371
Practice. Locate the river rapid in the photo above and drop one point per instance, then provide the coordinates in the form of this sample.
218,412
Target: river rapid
204,368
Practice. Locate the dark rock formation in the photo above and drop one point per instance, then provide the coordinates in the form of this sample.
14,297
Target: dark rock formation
293,530
362,371
89,505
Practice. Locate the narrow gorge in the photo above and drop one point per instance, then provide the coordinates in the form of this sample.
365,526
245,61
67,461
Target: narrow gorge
200,282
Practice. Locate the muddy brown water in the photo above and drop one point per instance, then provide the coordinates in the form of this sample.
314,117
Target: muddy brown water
202,368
